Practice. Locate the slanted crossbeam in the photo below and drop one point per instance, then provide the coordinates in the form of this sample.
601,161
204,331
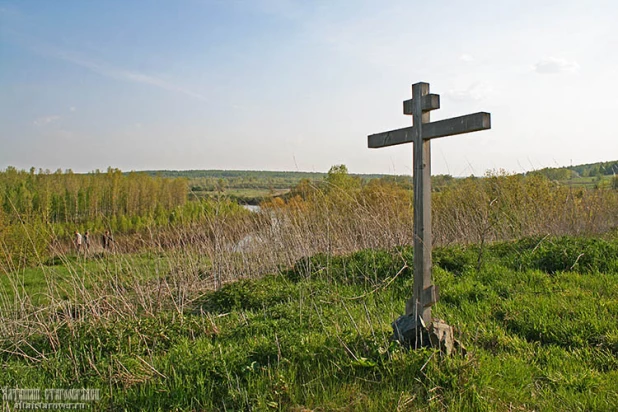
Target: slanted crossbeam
449,127
420,134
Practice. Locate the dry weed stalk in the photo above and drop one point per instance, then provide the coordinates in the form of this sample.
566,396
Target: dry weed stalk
172,266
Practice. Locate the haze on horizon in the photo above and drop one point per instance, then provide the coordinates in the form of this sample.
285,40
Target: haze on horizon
294,85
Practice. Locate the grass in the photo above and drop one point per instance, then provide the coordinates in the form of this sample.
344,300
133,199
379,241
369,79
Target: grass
589,182
539,318
57,278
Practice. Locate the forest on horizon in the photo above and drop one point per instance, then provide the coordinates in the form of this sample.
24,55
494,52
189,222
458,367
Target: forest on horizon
44,209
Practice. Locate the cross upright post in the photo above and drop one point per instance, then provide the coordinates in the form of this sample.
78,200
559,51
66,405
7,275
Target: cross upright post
425,294
421,177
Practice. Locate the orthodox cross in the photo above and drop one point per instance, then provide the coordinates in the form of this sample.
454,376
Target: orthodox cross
420,134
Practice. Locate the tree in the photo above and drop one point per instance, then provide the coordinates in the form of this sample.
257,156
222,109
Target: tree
338,178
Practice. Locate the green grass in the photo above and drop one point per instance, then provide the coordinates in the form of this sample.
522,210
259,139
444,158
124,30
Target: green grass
539,318
58,277
589,182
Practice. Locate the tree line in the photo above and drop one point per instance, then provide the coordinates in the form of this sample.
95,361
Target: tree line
41,208
71,198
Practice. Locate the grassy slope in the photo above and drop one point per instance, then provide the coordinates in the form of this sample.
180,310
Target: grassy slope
60,276
539,319
589,182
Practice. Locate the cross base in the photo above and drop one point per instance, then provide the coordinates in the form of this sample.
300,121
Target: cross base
414,334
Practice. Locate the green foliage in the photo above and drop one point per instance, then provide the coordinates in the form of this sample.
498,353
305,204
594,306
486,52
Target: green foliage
338,178
456,259
80,198
247,295
366,267
39,212
594,169
255,186
317,337
341,212
566,253
554,173
23,244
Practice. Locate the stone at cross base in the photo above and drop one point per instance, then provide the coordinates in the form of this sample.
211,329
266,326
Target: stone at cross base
415,334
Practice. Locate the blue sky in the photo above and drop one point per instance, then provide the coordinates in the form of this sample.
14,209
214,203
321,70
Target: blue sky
298,85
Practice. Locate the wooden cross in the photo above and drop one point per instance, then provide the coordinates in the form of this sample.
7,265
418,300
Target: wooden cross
420,134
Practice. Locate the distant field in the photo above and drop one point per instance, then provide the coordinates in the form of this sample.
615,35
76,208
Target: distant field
589,182
252,186
243,195
248,186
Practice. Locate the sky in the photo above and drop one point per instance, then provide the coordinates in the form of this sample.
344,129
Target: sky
299,85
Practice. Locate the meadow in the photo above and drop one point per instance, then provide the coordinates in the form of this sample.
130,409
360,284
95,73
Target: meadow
539,321
217,308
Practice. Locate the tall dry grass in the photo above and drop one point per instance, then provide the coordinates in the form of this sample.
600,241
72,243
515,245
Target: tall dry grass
169,268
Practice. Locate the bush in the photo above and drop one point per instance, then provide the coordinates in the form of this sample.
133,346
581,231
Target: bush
564,253
248,295
455,259
363,267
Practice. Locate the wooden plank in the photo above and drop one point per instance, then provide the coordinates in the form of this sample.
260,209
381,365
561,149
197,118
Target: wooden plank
457,125
421,176
428,102
430,296
407,106
391,138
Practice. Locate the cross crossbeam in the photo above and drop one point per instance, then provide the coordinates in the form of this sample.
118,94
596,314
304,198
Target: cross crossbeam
420,134
449,127
428,102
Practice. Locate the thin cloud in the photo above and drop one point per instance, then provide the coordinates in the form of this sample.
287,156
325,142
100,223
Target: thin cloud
126,75
42,121
554,65
112,71
466,58
476,91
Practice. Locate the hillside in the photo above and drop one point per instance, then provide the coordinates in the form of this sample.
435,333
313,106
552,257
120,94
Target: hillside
538,318
208,306
596,169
